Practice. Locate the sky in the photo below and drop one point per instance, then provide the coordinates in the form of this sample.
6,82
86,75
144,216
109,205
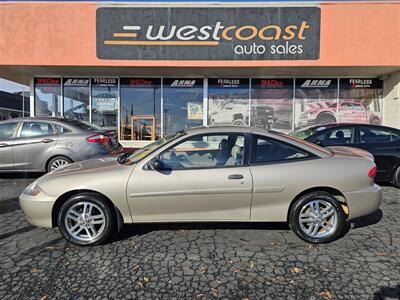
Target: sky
11,86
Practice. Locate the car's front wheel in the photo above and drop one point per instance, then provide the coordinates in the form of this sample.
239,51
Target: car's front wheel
86,219
58,162
317,218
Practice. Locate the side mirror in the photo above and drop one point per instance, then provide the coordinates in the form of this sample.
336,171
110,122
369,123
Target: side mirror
319,143
154,164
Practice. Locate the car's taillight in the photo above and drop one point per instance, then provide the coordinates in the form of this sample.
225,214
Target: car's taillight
98,138
372,172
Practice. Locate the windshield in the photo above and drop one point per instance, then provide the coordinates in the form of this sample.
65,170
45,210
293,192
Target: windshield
134,157
306,132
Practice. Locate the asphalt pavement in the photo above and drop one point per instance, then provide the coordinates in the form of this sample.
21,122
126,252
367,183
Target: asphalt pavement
199,261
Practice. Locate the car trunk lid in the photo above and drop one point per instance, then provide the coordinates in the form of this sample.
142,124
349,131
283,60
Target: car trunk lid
350,152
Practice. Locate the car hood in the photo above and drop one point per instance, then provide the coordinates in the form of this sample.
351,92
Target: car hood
91,165
103,175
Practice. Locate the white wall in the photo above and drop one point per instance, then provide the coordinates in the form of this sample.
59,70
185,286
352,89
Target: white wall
391,100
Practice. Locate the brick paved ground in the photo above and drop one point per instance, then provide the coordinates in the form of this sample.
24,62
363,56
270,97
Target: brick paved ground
227,261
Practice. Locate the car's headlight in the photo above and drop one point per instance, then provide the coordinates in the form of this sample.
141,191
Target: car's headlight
32,190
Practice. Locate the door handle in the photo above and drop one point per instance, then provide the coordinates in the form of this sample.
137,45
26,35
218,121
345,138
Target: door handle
235,176
2,145
47,140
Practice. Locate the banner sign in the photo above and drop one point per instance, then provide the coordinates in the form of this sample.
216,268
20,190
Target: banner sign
47,80
77,82
183,83
272,83
241,83
317,83
208,33
141,82
105,81
364,83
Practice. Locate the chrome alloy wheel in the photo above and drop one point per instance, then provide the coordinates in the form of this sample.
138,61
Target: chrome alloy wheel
58,164
85,221
318,219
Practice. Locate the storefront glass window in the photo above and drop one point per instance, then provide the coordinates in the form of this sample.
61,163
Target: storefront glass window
76,98
14,100
183,104
47,96
316,101
360,100
272,104
228,101
105,102
140,108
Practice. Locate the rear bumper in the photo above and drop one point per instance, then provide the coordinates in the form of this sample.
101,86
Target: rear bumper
38,209
363,202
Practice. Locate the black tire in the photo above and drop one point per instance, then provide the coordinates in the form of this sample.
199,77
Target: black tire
374,121
97,200
396,178
294,222
55,159
239,122
326,119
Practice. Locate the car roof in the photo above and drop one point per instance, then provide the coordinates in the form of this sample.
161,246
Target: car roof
54,119
333,125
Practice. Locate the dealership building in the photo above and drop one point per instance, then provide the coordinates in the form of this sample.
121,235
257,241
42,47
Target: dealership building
149,69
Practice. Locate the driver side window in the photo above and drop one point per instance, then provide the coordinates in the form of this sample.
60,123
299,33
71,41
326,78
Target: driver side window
205,151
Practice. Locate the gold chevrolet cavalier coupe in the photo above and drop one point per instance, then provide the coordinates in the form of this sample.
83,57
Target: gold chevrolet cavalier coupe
209,174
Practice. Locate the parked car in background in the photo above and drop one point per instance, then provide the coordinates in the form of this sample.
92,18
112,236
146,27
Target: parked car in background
348,111
381,141
209,174
45,144
261,117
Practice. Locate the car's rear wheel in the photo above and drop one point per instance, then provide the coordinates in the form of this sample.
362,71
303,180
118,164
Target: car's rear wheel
58,162
317,218
86,219
239,122
396,178
374,121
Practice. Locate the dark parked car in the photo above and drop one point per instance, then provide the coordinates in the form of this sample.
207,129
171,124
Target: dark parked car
45,144
381,141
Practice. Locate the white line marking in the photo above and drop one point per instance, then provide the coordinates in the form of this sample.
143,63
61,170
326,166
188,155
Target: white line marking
131,27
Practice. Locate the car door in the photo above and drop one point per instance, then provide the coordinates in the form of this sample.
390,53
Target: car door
384,144
279,171
359,114
33,145
200,178
7,132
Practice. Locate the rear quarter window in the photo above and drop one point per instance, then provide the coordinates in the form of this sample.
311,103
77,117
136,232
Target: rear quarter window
266,150
376,135
62,129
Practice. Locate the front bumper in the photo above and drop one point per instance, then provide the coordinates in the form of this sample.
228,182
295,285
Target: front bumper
363,202
38,209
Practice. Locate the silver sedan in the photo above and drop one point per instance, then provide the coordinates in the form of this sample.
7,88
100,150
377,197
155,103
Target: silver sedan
229,174
43,144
